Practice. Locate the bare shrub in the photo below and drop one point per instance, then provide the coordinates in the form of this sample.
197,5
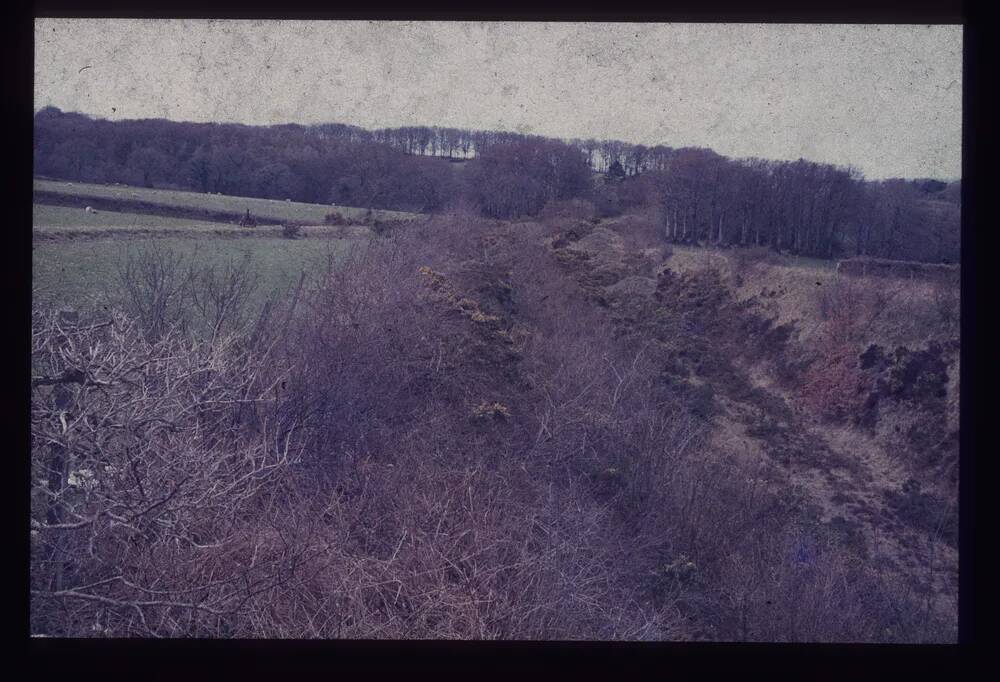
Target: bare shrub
291,230
948,307
462,207
816,592
335,218
839,300
164,290
361,339
382,228
221,297
154,283
156,478
248,220
834,384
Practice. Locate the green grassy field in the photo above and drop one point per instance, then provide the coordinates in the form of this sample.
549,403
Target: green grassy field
286,210
64,218
76,255
84,273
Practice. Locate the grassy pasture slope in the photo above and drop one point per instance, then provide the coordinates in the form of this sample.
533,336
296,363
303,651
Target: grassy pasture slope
68,218
83,273
75,254
64,222
283,210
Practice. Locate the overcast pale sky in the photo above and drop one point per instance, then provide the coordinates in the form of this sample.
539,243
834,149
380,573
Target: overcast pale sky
886,99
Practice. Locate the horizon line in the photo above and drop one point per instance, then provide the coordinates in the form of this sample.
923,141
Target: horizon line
565,140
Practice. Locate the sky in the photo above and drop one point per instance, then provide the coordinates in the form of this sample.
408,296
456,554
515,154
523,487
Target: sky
886,99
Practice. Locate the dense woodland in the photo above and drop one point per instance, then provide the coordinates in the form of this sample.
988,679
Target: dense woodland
696,195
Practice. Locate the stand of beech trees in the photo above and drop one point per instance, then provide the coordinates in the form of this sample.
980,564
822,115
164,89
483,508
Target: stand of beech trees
696,195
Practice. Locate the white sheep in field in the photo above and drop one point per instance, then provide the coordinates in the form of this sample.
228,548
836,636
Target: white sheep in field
90,209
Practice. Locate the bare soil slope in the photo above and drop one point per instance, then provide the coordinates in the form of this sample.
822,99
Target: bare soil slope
766,352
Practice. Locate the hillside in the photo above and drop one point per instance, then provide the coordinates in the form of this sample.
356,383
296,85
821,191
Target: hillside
558,428
844,390
186,205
